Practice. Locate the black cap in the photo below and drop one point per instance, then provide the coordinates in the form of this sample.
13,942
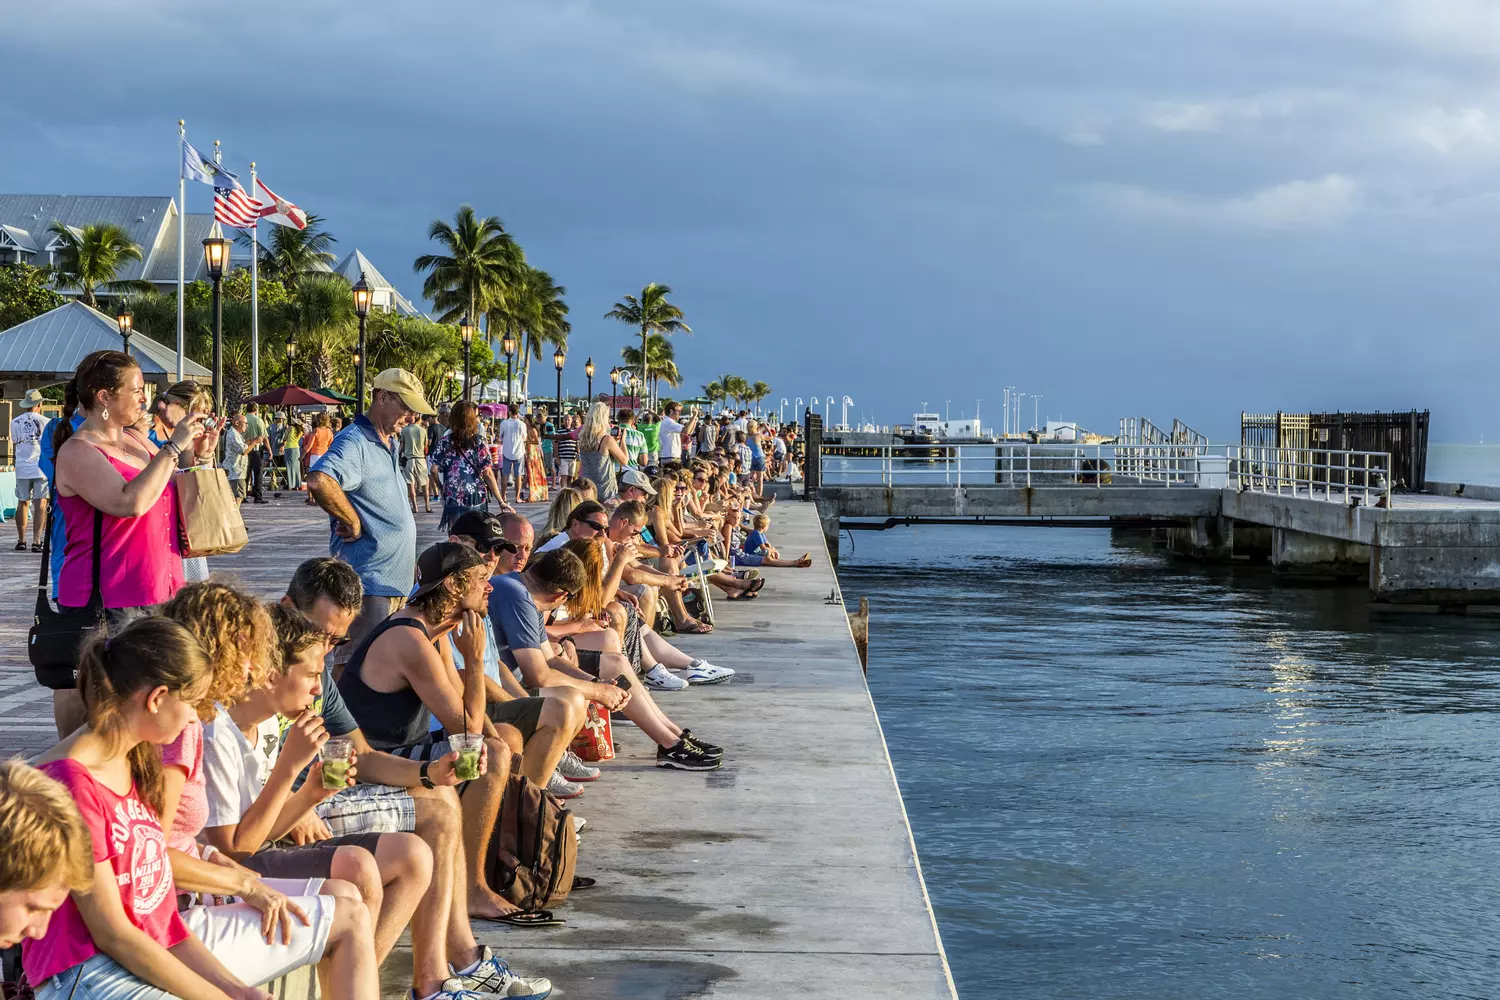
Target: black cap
441,561
484,528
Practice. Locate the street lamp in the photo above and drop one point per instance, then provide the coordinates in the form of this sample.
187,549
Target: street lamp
466,330
291,357
126,319
614,388
559,357
361,291
588,369
216,259
508,345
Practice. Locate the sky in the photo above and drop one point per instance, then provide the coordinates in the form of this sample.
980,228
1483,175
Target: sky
1160,208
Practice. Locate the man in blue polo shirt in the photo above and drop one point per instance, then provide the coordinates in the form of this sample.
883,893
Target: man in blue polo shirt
358,481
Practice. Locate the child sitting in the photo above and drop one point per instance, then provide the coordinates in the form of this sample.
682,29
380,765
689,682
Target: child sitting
756,549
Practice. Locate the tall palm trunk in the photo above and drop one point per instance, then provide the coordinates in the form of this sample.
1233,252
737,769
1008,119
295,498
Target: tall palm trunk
645,384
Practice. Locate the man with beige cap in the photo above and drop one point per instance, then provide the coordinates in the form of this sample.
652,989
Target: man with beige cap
358,481
31,485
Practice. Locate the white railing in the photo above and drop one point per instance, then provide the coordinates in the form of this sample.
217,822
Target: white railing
1343,477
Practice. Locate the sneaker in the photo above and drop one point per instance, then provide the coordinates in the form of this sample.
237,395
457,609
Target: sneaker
707,749
703,672
574,769
662,679
579,823
684,758
562,787
619,719
493,977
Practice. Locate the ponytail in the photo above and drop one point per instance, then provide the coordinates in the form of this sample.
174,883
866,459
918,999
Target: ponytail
148,653
64,428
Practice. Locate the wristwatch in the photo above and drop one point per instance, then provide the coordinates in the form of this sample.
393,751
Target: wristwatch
426,781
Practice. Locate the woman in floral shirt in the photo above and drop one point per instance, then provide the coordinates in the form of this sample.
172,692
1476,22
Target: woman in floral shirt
465,465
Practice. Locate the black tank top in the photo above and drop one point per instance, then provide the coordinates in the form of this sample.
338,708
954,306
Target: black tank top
388,719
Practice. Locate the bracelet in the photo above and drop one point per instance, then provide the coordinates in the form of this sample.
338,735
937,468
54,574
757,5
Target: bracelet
426,781
176,448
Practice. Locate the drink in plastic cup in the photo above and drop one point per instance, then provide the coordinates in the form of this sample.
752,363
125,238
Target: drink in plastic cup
335,757
467,745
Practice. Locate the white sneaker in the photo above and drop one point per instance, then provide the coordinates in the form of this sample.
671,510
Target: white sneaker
662,679
493,977
562,787
579,823
574,769
703,672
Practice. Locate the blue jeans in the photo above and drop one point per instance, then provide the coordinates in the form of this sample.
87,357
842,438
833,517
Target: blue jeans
99,978
293,466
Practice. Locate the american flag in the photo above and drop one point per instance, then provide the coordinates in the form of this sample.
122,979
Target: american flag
232,206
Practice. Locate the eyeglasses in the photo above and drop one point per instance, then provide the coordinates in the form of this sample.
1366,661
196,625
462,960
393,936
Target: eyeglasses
338,640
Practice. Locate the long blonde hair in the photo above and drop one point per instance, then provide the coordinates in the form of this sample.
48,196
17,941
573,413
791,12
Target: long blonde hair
595,428
562,505
590,600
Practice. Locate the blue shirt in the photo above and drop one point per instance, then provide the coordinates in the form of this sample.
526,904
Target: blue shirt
754,542
48,465
516,619
369,473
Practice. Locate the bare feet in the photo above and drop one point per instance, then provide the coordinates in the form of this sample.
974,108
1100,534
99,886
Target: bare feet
486,905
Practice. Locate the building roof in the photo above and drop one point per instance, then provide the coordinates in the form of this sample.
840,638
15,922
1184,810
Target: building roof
356,263
55,342
19,237
142,218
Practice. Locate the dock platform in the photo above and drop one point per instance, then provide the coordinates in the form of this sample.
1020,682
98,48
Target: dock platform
790,870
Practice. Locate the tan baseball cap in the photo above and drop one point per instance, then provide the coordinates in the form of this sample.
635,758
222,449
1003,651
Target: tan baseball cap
404,384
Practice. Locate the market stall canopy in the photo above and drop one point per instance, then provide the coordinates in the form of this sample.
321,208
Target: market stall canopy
334,394
47,349
293,395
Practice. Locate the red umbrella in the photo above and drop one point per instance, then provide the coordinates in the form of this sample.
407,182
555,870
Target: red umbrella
292,395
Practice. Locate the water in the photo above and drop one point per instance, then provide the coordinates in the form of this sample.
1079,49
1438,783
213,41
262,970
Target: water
1135,777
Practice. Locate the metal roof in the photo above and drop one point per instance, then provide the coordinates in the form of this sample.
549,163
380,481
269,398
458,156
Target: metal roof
55,342
352,266
20,237
141,217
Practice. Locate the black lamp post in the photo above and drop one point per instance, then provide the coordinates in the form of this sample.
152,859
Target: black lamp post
588,369
216,259
291,357
558,358
508,345
614,388
466,331
126,320
361,309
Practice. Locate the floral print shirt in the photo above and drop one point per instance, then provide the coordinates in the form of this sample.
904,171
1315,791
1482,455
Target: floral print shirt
462,472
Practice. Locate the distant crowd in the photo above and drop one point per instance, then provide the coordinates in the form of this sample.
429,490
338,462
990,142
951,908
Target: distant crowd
243,788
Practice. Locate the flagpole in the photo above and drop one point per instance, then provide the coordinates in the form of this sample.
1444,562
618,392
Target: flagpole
254,294
181,243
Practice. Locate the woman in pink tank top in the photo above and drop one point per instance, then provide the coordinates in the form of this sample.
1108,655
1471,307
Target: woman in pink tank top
110,472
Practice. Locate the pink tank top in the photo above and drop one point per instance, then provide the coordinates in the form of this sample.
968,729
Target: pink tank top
141,562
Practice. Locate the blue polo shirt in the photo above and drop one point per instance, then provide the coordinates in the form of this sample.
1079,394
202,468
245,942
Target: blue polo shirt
369,473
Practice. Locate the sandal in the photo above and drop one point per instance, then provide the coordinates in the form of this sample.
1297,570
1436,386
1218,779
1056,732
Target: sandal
583,882
20,546
528,918
694,627
36,546
743,595
756,585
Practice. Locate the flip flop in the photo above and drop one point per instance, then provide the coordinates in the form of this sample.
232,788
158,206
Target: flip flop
583,882
756,585
744,595
528,918
696,628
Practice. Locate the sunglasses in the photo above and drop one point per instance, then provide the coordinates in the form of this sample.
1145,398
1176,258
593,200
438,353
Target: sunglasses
598,528
503,545
338,640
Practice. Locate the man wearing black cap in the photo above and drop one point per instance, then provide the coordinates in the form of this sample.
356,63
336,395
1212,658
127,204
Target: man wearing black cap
402,674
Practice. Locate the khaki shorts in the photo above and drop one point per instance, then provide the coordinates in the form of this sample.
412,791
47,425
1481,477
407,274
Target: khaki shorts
416,471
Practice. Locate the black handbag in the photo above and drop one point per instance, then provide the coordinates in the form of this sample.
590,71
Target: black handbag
57,635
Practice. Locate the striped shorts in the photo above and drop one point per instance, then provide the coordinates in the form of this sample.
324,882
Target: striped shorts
369,809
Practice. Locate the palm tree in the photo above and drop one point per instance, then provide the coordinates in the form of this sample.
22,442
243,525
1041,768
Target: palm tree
534,313
91,257
651,313
713,392
758,392
293,253
476,271
320,317
155,315
661,360
737,389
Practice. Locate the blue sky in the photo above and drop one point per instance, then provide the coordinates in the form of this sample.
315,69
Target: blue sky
1158,207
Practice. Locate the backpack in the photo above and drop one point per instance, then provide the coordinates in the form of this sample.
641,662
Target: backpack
693,601
533,849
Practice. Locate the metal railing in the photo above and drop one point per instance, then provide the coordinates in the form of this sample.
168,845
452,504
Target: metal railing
1343,477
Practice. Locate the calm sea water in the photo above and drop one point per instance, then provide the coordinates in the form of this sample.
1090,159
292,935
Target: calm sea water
1133,777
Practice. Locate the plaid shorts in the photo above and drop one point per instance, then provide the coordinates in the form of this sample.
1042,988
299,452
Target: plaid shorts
369,809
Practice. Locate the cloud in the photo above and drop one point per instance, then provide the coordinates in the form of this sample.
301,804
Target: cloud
1199,117
1450,131
1293,205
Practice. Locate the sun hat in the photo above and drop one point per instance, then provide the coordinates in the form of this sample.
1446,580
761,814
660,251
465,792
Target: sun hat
404,384
441,561
636,478
33,398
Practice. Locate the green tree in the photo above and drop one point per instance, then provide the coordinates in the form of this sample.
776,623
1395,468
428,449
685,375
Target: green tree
92,257
651,313
758,391
319,316
661,360
25,292
534,313
479,263
293,253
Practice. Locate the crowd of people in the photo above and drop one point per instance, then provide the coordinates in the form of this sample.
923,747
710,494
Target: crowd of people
243,788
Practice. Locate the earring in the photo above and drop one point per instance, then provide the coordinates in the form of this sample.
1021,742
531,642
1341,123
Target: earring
106,413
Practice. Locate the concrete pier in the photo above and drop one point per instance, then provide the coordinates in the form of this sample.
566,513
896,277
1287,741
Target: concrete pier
791,870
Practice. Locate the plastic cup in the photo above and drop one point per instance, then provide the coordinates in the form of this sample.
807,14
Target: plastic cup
467,745
335,757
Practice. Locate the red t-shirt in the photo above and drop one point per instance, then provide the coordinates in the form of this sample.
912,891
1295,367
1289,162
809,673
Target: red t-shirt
127,834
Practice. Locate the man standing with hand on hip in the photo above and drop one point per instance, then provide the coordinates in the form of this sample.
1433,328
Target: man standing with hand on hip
358,481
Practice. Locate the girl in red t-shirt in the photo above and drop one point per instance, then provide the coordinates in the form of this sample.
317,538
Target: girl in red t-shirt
125,936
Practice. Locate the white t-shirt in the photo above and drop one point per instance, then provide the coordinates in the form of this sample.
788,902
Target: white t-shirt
26,435
741,424
557,541
670,435
512,438
779,446
234,769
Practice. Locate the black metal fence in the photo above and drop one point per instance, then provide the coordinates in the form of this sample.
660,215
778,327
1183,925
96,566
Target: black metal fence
1403,434
812,436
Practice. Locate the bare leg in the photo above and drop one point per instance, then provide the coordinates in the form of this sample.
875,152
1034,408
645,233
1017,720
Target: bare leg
559,721
640,709
481,804
403,868
663,651
39,523
349,969
432,923
21,521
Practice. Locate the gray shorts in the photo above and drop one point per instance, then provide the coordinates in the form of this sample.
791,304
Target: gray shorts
31,489
369,809
416,471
